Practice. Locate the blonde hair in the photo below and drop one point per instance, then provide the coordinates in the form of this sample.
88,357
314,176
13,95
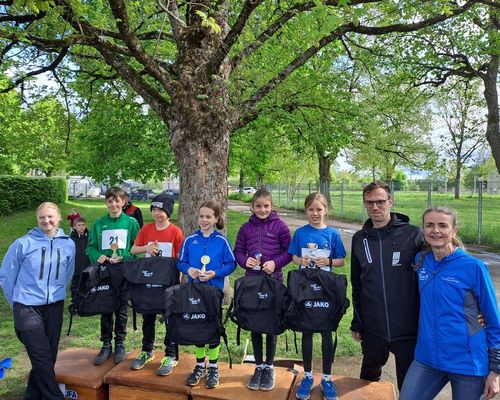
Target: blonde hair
48,204
313,197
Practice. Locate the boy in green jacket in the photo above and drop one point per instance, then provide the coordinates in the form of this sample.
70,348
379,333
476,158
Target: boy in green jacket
110,240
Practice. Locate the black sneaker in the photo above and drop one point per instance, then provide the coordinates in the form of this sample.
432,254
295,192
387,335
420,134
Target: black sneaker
103,355
212,378
120,353
195,377
254,382
267,380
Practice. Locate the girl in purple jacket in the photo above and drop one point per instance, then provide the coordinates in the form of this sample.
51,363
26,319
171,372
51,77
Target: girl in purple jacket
262,248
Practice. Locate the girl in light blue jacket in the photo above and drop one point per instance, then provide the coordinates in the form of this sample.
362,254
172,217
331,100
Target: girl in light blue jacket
34,274
452,346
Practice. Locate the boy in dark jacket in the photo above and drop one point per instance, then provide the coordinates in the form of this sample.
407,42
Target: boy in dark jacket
80,236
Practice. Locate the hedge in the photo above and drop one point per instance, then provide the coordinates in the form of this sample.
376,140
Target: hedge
26,193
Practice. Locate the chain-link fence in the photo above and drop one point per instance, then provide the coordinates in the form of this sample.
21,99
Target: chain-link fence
478,207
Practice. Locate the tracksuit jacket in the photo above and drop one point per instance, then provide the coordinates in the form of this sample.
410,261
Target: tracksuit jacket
37,268
217,247
384,282
269,237
450,338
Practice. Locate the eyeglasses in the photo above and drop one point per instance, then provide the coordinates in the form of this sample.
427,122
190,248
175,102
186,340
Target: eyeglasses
378,203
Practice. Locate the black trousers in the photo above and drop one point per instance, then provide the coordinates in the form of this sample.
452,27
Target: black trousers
376,352
120,324
257,344
148,337
326,349
39,329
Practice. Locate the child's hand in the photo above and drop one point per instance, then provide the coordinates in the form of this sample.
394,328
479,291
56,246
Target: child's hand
152,248
322,261
305,261
269,267
115,260
102,259
252,262
193,272
206,276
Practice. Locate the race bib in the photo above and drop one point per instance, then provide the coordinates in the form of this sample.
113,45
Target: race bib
165,249
114,236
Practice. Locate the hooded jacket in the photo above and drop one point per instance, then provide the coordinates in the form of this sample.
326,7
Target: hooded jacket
269,237
450,338
81,259
37,268
384,283
217,247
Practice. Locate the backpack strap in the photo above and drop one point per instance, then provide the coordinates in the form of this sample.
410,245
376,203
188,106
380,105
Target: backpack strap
224,337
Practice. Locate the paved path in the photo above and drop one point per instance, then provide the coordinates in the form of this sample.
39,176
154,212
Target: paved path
350,366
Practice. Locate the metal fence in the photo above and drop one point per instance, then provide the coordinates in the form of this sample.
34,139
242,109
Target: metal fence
478,207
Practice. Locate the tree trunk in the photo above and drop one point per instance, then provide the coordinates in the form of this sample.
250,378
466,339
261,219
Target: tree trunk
242,180
260,180
325,176
491,96
458,176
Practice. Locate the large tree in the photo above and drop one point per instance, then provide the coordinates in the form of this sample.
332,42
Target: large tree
190,61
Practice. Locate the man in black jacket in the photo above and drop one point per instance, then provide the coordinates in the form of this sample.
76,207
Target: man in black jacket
384,285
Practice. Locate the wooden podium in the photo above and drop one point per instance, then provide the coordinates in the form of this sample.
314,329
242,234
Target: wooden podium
233,385
79,377
127,384
350,389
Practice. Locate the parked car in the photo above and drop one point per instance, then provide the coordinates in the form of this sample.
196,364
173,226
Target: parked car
172,192
249,190
142,194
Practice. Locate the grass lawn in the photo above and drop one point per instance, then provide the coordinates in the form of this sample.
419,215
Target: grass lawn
85,332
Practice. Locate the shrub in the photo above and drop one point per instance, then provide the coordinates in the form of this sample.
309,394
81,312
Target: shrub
26,193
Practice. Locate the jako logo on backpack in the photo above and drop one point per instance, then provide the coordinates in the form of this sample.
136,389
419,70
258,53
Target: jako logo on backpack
147,280
258,304
99,290
193,312
318,300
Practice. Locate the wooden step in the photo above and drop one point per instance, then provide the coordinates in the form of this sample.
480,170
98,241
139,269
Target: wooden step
350,389
79,377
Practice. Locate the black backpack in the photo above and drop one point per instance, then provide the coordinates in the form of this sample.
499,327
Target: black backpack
147,279
317,300
193,312
258,305
100,290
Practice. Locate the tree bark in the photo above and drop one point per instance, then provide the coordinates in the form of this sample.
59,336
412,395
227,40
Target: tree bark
491,96
458,177
325,176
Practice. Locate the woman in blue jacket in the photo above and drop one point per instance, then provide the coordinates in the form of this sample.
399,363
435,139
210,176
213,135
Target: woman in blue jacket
34,275
452,346
206,257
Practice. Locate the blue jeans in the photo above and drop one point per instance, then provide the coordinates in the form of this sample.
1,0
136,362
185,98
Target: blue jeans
425,383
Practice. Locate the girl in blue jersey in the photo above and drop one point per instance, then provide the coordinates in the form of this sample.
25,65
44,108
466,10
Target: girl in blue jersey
210,270
452,345
320,246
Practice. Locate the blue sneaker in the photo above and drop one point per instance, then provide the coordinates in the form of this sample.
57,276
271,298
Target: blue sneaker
304,390
329,390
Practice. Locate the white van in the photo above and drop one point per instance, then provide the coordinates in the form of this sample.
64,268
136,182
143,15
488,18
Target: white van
82,186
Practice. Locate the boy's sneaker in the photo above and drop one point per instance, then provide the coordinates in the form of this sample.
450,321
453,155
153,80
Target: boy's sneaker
195,377
254,382
142,359
329,390
166,366
212,378
304,390
267,380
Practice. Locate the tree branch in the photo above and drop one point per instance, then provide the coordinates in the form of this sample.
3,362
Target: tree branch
51,67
